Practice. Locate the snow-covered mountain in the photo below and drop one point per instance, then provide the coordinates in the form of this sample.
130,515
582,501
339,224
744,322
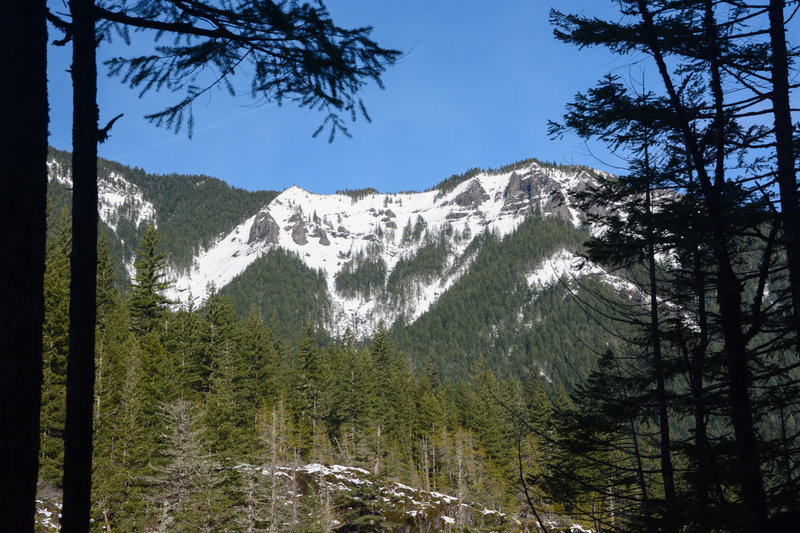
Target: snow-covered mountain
382,255
334,233
463,270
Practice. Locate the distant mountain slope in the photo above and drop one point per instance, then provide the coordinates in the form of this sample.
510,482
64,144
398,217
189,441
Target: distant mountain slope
482,312
388,256
468,270
286,292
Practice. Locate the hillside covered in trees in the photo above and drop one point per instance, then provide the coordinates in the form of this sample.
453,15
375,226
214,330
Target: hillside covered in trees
185,397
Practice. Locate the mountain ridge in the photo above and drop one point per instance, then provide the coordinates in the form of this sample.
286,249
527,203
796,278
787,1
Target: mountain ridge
336,233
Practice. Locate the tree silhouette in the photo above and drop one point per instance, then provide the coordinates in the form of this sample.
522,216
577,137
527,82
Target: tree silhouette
23,171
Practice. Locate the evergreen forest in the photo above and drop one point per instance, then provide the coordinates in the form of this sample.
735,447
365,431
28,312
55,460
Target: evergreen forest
200,413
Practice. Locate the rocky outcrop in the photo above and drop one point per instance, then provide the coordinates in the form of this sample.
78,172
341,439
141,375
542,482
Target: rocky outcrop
264,229
299,234
322,236
535,189
471,197
517,194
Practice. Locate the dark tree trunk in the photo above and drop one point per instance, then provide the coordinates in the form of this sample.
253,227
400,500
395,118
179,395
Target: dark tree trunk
23,201
646,513
665,447
82,311
784,151
728,286
729,292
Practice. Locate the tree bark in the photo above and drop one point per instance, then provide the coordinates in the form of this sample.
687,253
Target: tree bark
23,202
80,368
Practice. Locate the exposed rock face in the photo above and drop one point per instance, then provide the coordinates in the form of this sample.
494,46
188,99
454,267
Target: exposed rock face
473,196
264,229
299,233
322,236
517,194
584,183
520,192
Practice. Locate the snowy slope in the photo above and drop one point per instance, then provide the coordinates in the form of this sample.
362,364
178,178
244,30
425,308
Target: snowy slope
565,264
328,231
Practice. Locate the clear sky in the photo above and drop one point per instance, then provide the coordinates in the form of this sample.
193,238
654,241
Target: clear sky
476,87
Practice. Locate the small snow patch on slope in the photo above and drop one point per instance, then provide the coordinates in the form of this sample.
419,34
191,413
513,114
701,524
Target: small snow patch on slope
566,264
560,264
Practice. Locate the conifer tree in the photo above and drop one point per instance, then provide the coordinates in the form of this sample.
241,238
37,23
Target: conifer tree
260,359
55,349
395,399
309,382
230,414
352,395
108,302
726,79
185,343
107,292
122,444
147,301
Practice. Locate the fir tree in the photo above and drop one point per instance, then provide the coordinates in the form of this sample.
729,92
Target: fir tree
309,383
147,301
55,349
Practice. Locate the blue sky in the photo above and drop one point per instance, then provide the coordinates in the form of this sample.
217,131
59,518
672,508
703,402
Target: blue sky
476,87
